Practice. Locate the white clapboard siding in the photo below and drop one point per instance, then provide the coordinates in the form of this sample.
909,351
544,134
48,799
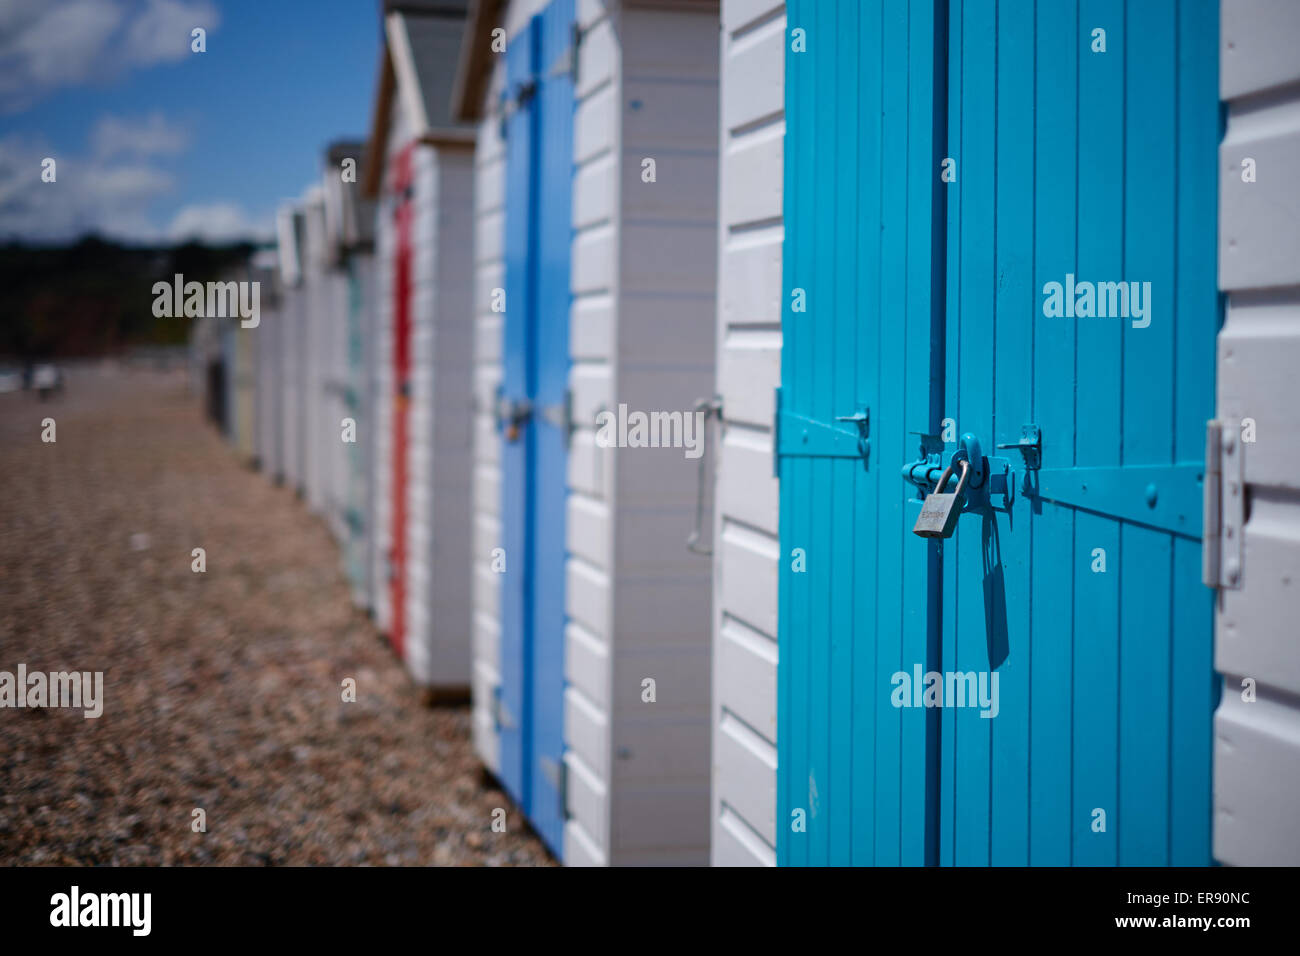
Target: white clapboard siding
488,276
589,529
367,431
337,459
439,527
1257,744
644,283
746,550
269,392
316,317
289,250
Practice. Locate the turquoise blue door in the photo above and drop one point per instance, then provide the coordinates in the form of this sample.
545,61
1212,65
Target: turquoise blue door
1005,261
531,415
356,555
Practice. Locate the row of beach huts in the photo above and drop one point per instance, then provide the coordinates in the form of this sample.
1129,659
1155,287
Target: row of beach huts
621,357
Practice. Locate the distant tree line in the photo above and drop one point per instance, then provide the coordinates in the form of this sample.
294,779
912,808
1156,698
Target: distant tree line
95,297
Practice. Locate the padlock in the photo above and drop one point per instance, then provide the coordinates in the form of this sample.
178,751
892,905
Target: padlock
940,510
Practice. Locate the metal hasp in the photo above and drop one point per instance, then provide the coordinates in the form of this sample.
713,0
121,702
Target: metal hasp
992,482
797,435
1224,507
1030,445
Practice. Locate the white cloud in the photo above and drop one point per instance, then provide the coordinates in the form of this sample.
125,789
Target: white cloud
47,44
88,195
161,32
113,190
216,222
146,136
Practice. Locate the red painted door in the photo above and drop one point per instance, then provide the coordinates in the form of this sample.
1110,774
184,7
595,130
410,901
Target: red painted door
404,215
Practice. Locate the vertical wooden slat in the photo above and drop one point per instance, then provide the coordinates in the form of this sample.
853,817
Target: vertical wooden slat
971,380
865,708
1150,137
1197,315
841,591
1055,172
1099,426
1005,539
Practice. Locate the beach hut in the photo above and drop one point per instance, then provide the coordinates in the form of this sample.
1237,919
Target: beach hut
241,345
264,269
289,234
349,221
317,321
595,224
994,237
1253,535
419,170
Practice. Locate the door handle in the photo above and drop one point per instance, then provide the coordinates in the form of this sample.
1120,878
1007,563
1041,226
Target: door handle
709,406
560,415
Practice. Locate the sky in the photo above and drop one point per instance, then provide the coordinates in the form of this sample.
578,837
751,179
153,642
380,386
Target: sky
154,142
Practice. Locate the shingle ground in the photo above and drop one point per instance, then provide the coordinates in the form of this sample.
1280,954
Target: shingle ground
222,690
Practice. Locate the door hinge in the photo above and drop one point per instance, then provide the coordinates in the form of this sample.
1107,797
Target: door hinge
566,64
1225,507
557,772
502,719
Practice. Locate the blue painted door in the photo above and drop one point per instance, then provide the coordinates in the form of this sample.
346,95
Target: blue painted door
539,174
1063,628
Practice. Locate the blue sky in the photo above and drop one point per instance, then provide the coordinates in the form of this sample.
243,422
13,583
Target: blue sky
153,141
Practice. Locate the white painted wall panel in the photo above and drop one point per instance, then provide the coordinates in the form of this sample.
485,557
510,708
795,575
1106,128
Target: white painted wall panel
586,732
1256,778
1258,45
591,328
586,664
749,372
588,800
579,848
488,272
735,844
745,479
754,163
755,88
745,775
746,549
1260,225
1257,743
748,657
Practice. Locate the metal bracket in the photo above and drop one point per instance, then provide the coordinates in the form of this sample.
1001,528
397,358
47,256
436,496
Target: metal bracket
567,62
1030,446
861,419
561,416
798,435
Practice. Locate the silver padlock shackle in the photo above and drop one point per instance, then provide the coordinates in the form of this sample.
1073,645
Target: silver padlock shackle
947,473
